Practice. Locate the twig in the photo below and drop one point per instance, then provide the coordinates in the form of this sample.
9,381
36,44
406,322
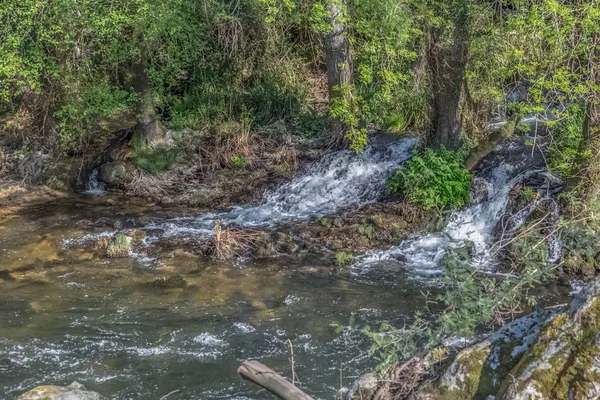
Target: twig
292,362
170,393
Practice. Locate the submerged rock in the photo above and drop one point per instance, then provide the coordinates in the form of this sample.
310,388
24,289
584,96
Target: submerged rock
75,391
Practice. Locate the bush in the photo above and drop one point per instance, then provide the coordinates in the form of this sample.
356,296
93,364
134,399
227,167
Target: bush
566,137
149,159
434,179
120,247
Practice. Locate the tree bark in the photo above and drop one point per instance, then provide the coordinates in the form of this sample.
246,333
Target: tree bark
447,63
148,125
260,374
590,140
340,70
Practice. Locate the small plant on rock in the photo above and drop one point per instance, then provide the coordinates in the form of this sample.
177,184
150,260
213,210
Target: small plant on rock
343,259
119,247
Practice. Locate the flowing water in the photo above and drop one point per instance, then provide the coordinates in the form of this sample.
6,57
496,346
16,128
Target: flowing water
339,180
94,185
67,313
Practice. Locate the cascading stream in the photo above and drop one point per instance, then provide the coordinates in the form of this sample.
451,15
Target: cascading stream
94,185
339,180
475,224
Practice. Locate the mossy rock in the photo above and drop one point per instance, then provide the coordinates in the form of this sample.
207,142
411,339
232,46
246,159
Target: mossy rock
564,363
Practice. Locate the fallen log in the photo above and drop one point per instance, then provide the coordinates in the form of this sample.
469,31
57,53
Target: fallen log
262,375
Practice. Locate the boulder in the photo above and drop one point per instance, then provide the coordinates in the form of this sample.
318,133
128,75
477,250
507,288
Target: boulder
75,391
550,354
114,173
564,362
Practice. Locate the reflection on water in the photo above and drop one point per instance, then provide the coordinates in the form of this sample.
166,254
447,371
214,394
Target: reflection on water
67,315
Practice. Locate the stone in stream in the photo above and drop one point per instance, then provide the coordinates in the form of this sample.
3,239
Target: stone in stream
75,391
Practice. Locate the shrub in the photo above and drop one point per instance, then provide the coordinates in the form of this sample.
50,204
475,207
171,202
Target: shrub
566,137
342,259
149,159
238,161
434,179
119,247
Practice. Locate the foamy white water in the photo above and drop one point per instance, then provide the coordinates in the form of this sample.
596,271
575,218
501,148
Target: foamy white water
94,185
476,223
339,180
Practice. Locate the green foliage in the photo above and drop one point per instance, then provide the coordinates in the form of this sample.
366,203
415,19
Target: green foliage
119,247
343,259
310,124
566,139
344,108
579,239
86,109
151,160
434,179
238,161
391,345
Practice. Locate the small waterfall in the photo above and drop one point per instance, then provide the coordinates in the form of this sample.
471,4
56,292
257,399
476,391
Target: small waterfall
339,180
94,185
476,224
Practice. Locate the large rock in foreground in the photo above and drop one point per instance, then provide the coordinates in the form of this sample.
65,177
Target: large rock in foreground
75,391
548,355
564,363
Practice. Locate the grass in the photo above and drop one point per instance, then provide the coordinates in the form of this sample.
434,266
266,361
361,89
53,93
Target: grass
119,247
342,259
151,160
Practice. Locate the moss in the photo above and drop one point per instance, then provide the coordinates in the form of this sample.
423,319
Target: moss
469,364
568,373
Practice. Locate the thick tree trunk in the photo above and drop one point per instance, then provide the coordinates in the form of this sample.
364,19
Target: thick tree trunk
340,70
448,64
148,125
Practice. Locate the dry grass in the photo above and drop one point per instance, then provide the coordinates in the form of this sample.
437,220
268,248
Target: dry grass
229,243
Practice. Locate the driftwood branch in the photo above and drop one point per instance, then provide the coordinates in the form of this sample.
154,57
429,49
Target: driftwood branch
262,375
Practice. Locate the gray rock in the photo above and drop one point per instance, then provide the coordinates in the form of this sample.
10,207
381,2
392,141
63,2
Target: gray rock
114,173
32,167
75,391
363,388
338,222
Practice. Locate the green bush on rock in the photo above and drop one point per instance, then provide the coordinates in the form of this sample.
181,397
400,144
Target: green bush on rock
434,179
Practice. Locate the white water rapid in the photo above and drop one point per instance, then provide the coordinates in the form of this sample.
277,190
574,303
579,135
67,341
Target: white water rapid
339,180
476,224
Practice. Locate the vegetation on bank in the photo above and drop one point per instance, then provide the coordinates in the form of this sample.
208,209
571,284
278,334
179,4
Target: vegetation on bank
251,78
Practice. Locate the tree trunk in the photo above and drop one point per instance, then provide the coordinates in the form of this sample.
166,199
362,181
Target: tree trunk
447,63
589,143
340,70
148,126
589,147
